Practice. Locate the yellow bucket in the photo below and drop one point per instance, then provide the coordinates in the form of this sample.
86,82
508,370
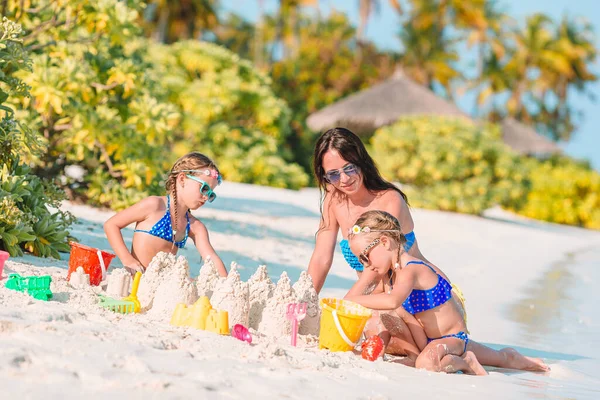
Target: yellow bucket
342,323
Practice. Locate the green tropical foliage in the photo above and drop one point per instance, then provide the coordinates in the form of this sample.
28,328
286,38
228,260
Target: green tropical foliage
26,220
563,191
229,111
450,164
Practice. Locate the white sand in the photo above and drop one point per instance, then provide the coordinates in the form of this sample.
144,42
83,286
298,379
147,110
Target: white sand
274,321
306,293
69,347
232,295
166,283
261,289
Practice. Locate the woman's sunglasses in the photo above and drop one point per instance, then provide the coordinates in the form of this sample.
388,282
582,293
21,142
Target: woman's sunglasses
205,189
335,175
363,257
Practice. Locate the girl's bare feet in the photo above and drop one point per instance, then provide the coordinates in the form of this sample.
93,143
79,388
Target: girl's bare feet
516,360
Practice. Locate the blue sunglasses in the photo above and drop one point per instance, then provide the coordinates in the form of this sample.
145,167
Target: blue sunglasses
205,189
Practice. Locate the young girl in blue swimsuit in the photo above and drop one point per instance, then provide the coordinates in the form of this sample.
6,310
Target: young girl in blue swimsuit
420,289
164,223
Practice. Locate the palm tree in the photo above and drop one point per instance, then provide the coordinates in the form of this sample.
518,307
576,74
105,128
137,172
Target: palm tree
532,53
172,20
286,33
429,52
573,42
366,8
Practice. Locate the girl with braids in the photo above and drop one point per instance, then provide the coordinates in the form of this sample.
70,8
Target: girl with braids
165,223
351,184
419,288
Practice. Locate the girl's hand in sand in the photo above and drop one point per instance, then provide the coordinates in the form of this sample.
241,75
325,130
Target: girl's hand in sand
134,266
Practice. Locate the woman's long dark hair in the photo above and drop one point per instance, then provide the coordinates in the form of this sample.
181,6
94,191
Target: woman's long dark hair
351,149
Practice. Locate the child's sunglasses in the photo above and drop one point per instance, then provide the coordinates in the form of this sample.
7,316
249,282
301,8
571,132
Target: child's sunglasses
363,257
205,189
335,175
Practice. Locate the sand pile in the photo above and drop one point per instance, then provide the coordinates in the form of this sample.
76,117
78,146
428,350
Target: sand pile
274,321
232,295
306,293
261,289
165,283
207,279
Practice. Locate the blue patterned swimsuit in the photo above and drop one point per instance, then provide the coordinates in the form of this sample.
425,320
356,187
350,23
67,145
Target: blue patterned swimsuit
163,229
423,300
418,300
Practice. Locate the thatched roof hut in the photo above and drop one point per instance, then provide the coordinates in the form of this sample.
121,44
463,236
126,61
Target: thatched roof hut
526,140
382,104
385,103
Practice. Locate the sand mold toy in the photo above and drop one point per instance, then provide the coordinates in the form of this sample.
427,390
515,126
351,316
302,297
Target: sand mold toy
201,315
37,287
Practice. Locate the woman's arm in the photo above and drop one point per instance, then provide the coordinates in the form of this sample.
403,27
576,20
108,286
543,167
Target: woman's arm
136,213
322,257
199,235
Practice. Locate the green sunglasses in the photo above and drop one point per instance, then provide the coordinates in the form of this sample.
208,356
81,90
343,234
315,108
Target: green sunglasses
205,189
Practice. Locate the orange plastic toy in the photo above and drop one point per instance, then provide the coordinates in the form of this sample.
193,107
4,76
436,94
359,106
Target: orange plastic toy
372,348
87,258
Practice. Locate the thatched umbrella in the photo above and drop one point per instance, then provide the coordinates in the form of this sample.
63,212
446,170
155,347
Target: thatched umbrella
382,104
526,140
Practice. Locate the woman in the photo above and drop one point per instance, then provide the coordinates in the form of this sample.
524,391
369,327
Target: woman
351,184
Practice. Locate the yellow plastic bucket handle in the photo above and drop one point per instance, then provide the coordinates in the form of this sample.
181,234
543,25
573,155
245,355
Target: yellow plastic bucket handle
341,330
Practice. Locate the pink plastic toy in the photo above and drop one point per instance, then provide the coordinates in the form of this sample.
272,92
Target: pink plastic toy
295,313
240,332
3,257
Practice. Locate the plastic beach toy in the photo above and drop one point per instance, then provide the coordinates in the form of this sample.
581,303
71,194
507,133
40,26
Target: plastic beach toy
240,332
94,262
3,257
295,313
37,287
372,348
342,323
129,304
137,307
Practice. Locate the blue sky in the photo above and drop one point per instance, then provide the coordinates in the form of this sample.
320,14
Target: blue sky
383,28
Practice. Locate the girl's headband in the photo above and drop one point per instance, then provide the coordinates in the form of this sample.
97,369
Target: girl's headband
208,172
355,230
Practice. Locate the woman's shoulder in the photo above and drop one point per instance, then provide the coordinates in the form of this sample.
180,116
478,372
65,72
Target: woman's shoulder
392,198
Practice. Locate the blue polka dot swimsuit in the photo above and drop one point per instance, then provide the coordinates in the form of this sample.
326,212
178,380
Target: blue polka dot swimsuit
163,229
423,300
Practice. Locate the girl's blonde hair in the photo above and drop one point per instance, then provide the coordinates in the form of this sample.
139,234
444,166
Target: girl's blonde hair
190,161
378,223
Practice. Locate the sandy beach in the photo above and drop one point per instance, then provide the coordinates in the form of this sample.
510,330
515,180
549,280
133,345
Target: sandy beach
528,284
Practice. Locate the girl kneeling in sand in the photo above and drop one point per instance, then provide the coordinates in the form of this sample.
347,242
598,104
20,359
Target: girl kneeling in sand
421,290
165,223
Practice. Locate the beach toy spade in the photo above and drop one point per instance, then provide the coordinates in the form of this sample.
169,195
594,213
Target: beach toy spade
129,304
137,307
342,323
3,257
295,313
240,332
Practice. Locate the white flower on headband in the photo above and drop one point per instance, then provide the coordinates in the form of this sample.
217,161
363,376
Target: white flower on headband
357,229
